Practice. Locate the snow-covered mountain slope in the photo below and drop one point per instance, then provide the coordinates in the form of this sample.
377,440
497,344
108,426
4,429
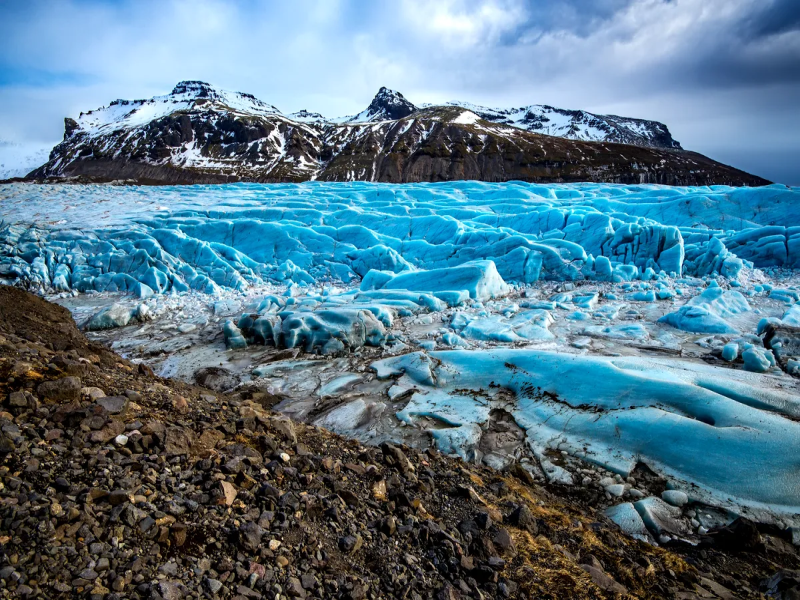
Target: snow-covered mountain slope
17,160
199,134
578,124
130,114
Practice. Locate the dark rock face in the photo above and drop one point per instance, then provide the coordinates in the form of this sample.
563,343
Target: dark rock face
430,150
395,152
70,126
200,88
389,105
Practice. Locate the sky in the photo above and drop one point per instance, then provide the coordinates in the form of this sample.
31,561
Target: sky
724,75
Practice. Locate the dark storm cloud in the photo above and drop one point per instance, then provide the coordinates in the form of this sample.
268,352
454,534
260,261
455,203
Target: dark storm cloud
771,19
761,47
723,74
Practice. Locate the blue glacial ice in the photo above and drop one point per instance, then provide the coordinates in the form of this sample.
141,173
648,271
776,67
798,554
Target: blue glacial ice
116,315
157,240
683,419
707,313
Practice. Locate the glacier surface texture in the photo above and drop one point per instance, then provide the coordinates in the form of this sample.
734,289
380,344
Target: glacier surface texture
145,240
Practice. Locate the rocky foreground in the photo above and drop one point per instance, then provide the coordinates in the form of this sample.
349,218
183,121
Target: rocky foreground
118,484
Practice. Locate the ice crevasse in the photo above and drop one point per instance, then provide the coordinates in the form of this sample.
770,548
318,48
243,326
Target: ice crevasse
158,240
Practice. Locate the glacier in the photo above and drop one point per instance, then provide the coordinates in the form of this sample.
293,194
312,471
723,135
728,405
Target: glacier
597,335
156,240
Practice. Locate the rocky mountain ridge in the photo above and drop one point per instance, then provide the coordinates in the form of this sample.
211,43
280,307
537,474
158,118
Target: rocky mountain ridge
199,134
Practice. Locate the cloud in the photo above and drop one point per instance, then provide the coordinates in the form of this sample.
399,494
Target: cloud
461,23
681,61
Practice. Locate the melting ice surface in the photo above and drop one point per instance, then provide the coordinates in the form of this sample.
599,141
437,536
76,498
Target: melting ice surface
681,418
615,325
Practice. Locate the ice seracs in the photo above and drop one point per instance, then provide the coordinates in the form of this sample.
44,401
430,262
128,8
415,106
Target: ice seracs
206,238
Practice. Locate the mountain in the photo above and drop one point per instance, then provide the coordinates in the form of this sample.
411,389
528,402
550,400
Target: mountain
17,160
199,134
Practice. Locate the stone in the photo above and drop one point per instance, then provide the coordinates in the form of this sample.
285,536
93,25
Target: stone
115,405
483,521
502,540
295,588
603,581
398,457
213,585
522,517
250,536
379,490
285,428
53,434
117,497
178,441
180,404
229,493
207,441
309,582
63,390
350,543
616,490
741,535
389,525
170,590
17,400
92,393
146,523
350,498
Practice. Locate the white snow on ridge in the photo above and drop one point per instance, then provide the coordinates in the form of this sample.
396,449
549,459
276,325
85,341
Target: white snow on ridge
126,114
571,124
467,118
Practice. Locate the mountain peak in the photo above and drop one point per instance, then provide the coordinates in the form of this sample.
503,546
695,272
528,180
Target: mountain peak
200,89
388,105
